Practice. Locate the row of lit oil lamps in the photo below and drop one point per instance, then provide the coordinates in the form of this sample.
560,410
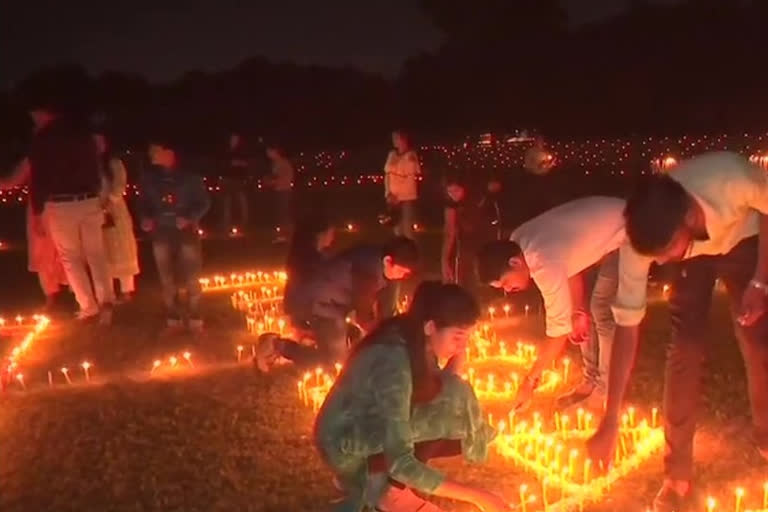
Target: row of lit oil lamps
264,286
537,450
540,448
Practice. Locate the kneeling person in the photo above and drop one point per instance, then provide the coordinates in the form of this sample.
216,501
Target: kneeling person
570,253
358,280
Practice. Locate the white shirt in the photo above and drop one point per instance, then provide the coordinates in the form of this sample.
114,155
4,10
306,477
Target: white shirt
731,191
565,241
400,175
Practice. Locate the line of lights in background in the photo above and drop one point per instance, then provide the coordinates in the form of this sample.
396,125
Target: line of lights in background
592,156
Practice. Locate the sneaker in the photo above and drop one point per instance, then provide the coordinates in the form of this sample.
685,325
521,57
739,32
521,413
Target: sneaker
404,500
668,500
266,351
577,395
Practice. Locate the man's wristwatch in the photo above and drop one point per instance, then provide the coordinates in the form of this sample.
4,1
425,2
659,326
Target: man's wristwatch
760,285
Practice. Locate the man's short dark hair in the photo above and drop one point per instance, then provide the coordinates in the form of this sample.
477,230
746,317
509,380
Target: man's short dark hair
655,210
403,252
493,259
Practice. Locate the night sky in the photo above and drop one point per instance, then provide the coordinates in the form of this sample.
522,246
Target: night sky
162,39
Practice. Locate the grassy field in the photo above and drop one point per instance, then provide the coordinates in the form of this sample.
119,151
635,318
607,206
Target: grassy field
220,437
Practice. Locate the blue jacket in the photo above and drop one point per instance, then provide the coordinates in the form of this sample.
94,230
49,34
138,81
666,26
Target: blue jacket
167,194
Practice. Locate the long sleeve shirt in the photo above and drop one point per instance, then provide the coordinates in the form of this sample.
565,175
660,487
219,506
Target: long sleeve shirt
563,242
369,411
401,173
731,191
167,194
351,281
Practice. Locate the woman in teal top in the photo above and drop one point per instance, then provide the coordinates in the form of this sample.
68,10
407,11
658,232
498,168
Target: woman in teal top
393,406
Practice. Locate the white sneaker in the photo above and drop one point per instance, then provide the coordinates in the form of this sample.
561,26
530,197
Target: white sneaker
404,500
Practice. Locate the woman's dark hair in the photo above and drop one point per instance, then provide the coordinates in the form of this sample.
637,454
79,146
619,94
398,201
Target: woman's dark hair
447,305
303,253
654,212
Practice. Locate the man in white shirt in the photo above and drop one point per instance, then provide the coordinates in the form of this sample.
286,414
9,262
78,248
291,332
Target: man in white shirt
560,250
711,211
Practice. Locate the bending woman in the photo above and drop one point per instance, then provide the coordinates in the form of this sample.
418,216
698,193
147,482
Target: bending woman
392,408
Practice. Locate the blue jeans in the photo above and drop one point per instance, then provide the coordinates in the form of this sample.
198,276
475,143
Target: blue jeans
179,259
601,283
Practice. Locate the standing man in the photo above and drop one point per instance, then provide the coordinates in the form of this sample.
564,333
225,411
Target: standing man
282,181
570,253
402,171
711,212
234,183
172,202
65,183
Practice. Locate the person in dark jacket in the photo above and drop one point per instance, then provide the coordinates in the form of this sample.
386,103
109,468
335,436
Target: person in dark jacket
470,220
308,252
171,205
358,280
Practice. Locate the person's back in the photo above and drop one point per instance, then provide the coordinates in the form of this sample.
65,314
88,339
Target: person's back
65,161
575,234
345,280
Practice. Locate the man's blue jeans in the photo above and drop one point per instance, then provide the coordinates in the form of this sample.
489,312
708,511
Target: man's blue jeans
179,259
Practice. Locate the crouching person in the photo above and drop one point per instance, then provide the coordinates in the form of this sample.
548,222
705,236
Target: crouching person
393,408
360,281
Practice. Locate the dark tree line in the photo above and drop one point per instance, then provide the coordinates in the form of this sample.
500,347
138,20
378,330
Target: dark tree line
694,67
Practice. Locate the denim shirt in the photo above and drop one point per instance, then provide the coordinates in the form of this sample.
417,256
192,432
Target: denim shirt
168,194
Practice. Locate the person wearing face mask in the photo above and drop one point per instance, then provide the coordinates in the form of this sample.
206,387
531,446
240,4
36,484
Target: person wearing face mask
570,254
359,280
393,408
711,212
